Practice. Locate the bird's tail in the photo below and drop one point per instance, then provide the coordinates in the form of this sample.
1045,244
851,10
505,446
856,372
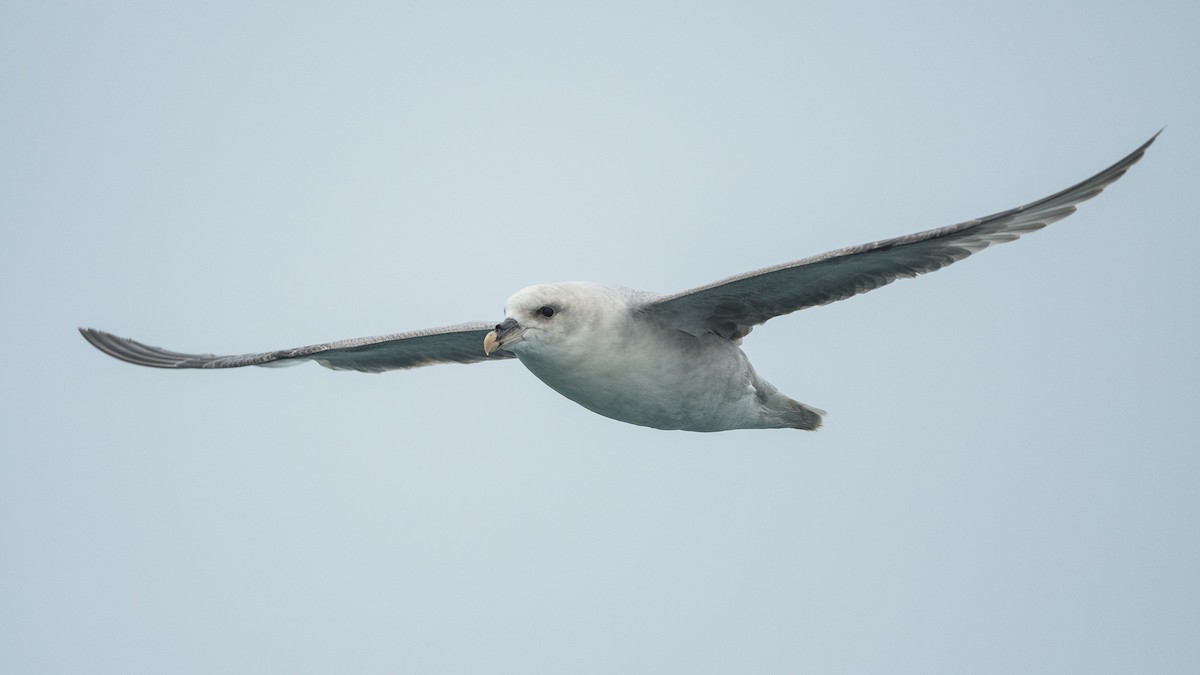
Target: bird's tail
786,413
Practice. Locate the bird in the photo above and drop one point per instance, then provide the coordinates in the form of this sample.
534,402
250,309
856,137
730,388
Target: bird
671,362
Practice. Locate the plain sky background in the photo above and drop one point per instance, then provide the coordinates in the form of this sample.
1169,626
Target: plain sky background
1008,480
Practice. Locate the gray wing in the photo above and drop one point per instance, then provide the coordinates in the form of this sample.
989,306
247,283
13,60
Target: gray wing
452,344
731,306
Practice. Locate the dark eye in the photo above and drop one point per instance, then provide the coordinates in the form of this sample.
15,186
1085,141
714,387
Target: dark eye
546,311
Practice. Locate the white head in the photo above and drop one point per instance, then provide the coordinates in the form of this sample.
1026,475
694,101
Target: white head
555,318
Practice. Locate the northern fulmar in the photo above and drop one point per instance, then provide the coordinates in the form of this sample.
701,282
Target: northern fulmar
663,361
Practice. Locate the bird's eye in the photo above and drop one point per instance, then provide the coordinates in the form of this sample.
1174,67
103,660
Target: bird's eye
546,311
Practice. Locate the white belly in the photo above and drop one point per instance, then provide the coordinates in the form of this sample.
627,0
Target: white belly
660,388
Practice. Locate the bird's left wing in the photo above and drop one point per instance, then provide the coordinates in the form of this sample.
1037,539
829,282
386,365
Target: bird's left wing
452,344
730,307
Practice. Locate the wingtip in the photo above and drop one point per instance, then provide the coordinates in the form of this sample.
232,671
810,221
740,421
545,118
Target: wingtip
1136,155
92,335
129,350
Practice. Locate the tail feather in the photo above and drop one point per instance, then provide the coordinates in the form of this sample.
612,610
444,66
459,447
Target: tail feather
791,414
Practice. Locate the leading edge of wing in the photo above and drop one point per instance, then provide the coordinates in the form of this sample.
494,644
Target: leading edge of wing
462,343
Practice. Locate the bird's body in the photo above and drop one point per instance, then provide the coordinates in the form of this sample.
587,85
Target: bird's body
601,351
663,361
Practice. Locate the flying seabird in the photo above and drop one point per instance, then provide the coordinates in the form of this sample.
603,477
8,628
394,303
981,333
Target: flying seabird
663,361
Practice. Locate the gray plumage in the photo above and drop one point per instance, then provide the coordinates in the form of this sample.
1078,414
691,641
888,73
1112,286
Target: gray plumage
451,344
751,298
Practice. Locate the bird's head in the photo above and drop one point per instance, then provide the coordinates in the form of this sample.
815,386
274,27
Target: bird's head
554,317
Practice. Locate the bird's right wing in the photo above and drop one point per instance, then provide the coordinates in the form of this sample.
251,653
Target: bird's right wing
451,344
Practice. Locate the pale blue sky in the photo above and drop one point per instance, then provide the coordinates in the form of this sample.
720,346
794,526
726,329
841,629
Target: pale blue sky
1007,481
